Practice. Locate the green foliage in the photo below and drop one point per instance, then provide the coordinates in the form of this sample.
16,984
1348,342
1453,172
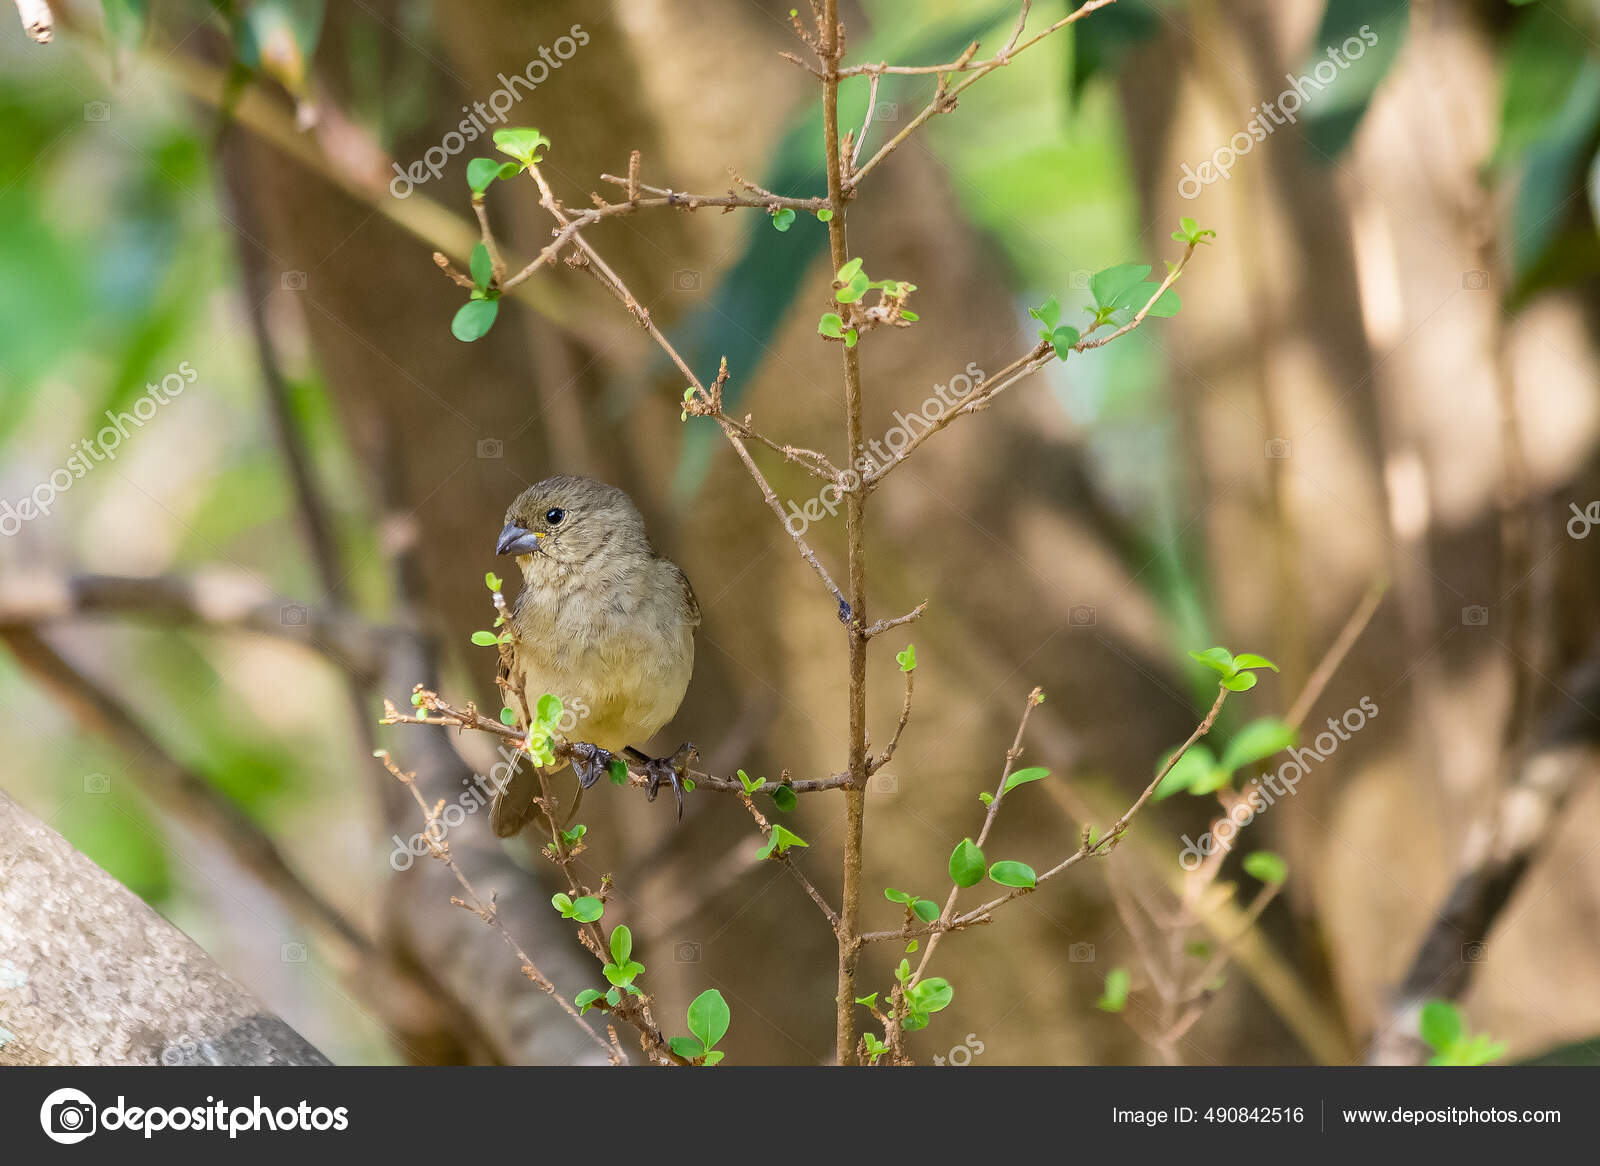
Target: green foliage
482,267
623,968
1199,772
780,841
482,172
492,581
521,143
589,998
473,319
1193,233
906,657
1267,866
617,771
1120,292
784,797
924,909
1443,1030
1013,874
783,218
924,998
875,1047
1114,996
750,786
584,909
1023,777
1330,119
966,864
485,639
1061,337
708,1023
1236,671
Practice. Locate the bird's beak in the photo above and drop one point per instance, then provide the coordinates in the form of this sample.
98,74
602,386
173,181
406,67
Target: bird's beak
514,540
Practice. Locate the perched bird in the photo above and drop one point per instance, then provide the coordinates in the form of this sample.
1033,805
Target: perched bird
604,623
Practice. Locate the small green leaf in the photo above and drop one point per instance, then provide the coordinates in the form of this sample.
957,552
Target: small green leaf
908,314
1048,314
1013,874
1251,660
849,271
1219,660
617,771
481,172
831,326
709,1017
521,143
621,943
614,997
1062,340
852,291
750,786
474,319
507,717
986,797
562,902
1110,286
926,910
587,909
850,338
825,215
686,1047
1440,1024
912,946
779,841
587,999
548,710
485,639
1023,777
714,1057
868,1001
966,864
1266,866
783,796
492,581
906,657
1195,767
1257,741
1115,995
895,896
482,266
931,995
1243,682
783,218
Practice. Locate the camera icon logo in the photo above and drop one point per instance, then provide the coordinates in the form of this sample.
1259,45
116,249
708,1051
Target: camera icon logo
1081,953
1475,281
1278,448
491,447
883,783
294,281
292,615
686,279
1082,615
1078,280
68,1116
1475,952
887,111
686,952
96,783
96,111
1475,616
292,953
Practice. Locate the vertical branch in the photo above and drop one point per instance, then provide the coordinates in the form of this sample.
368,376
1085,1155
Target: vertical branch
831,50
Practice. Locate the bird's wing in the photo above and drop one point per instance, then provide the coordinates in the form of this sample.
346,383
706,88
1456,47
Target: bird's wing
690,605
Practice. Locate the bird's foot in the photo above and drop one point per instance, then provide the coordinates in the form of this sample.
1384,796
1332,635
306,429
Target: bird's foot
669,769
590,762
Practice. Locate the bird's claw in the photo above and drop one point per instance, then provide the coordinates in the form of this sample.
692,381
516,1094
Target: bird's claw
669,769
590,763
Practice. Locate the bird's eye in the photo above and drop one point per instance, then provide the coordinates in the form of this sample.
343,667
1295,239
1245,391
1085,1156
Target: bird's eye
554,515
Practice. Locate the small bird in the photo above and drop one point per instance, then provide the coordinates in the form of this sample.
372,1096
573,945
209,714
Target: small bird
604,623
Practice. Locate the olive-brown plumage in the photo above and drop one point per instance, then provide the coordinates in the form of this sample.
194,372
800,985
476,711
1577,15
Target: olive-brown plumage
602,621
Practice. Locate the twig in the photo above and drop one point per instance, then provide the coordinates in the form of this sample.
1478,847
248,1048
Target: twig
816,896
876,763
441,850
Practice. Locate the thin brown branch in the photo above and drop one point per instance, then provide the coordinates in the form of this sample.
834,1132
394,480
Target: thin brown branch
816,896
876,763
486,911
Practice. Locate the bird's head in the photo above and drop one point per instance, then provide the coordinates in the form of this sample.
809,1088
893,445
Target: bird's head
562,522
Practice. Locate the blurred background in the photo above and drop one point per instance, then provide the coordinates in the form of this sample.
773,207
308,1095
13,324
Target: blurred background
1384,376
